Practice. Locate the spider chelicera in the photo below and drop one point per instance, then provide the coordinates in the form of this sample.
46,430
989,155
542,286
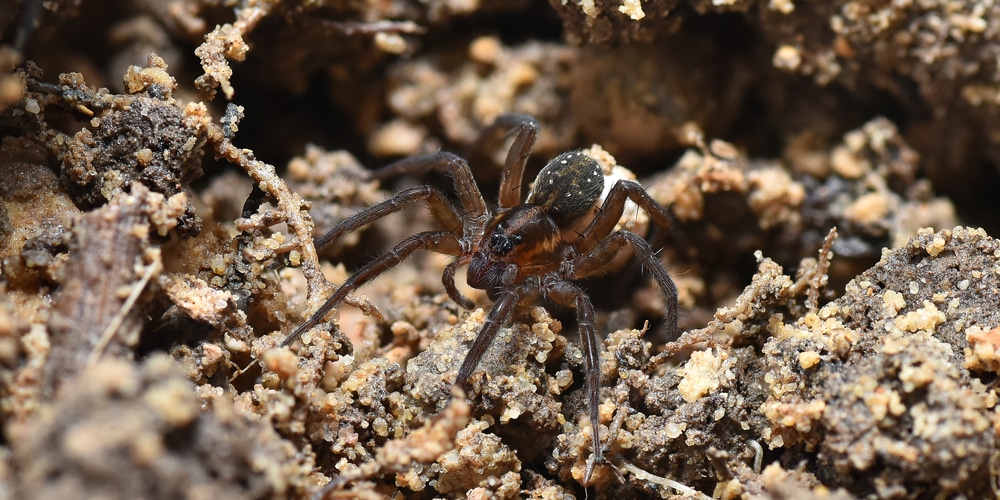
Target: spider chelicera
522,252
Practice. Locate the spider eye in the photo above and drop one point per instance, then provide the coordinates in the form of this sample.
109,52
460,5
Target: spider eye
502,245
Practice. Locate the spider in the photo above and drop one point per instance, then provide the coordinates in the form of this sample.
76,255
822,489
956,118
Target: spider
521,252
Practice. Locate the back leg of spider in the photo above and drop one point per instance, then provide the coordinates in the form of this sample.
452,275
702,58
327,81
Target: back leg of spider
613,208
595,261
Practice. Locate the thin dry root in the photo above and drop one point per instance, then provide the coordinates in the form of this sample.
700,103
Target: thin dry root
109,333
642,475
758,456
814,279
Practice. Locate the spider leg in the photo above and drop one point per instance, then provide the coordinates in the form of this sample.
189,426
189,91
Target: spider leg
440,207
31,16
455,167
500,314
567,294
517,156
436,241
593,262
612,209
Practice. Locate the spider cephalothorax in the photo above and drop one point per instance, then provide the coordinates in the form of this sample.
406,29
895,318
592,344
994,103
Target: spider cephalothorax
522,241
527,249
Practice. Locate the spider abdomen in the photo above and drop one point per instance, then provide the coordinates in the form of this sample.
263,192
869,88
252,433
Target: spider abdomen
568,186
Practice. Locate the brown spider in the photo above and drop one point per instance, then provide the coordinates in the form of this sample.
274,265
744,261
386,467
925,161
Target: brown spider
518,254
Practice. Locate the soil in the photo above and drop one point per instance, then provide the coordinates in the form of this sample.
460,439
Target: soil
830,168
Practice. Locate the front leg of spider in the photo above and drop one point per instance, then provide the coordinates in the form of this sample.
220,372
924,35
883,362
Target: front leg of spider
461,226
567,294
567,189
436,241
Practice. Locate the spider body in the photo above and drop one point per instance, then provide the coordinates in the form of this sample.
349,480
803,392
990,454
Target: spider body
527,250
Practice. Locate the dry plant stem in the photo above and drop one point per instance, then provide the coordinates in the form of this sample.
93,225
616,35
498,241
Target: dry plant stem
225,43
816,278
219,46
704,336
106,245
295,210
296,216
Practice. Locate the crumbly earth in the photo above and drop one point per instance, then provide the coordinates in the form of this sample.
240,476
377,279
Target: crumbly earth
830,168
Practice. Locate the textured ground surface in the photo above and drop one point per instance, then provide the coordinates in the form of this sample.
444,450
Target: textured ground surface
829,166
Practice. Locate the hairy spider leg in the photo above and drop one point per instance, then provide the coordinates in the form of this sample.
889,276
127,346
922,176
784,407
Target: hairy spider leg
597,236
441,208
564,293
527,129
593,262
613,208
455,167
567,294
499,315
436,241
517,157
